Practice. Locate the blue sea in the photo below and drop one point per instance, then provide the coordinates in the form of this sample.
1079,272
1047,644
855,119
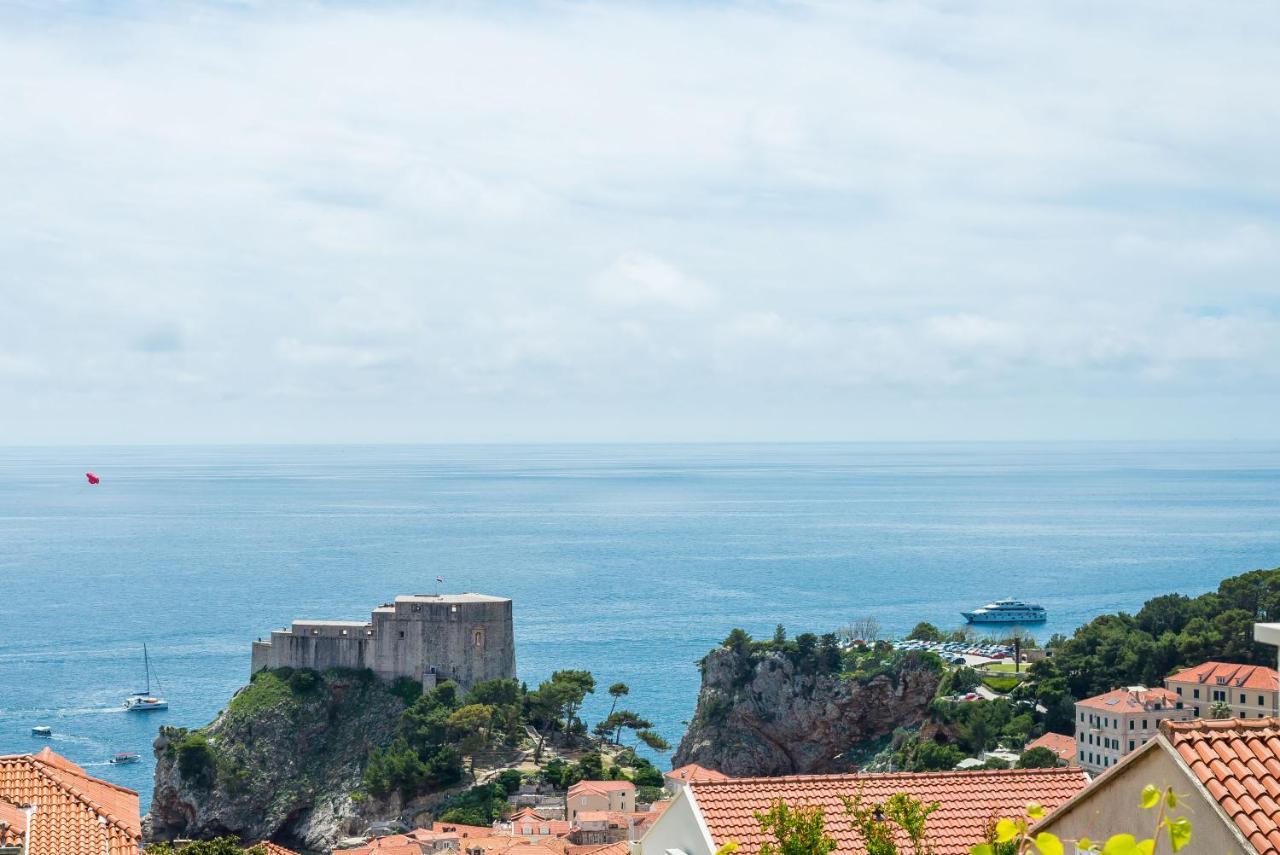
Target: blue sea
629,561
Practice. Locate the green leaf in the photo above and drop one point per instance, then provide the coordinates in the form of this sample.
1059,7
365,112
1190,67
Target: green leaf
1084,844
1170,800
1147,847
1048,844
1150,796
1179,832
982,849
1006,830
1120,844
1035,811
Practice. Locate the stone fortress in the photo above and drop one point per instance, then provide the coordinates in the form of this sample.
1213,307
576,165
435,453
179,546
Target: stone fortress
430,638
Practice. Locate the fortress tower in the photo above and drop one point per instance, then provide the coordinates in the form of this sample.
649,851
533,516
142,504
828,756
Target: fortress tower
466,638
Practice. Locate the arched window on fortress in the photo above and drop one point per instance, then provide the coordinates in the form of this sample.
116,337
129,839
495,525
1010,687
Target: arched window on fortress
477,636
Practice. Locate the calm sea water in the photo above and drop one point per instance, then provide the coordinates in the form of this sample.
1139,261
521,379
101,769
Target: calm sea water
630,561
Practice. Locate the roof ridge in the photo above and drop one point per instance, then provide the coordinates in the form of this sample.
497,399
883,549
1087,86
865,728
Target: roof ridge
863,776
86,776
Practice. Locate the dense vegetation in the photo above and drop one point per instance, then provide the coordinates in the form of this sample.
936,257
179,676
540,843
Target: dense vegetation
218,846
441,727
1167,633
824,655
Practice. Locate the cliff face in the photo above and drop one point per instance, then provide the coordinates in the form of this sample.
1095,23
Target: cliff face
280,763
761,714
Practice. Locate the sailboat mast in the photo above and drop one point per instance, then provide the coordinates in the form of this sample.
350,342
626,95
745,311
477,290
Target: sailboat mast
146,663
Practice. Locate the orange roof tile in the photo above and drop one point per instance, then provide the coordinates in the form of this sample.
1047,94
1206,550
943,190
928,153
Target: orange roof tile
1230,675
968,801
467,831
389,844
1129,700
1238,762
1063,746
620,848
276,848
694,772
75,814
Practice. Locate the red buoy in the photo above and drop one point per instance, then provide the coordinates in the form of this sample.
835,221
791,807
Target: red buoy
93,479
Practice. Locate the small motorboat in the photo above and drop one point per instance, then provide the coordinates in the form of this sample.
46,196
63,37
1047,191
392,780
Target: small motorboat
42,731
125,757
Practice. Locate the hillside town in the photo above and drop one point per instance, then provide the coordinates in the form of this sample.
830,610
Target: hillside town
1211,732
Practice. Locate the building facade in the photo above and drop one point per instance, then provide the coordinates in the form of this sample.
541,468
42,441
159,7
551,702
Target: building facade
467,638
1110,725
1250,691
599,796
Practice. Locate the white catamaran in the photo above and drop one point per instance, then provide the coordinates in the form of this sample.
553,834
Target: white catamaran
144,701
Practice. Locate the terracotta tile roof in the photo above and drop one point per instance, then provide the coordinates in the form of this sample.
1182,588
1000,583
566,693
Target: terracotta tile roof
601,787
463,830
277,849
619,848
1229,675
1063,746
1129,700
968,801
1238,762
694,772
391,844
75,814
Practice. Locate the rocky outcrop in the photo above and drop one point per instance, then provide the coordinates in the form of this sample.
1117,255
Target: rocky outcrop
760,712
282,762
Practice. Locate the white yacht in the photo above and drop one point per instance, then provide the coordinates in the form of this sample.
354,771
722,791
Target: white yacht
1007,611
144,701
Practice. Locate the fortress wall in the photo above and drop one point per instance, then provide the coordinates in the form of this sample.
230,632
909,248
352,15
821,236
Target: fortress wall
462,639
470,644
396,650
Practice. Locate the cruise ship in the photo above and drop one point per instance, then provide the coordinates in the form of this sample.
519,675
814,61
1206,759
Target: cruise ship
1007,611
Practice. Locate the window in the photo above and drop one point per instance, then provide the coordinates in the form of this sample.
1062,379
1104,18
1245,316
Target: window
1130,744
1261,702
1195,693
344,632
477,636
402,633
1179,690
453,609
1196,710
1243,699
1144,724
417,607
1133,723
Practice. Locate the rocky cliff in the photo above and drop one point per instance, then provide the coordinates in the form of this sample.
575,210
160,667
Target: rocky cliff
281,762
768,711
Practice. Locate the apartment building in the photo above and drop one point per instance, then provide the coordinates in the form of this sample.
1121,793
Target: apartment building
1110,725
1251,691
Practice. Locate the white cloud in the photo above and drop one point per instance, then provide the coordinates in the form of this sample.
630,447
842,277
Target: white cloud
667,213
639,280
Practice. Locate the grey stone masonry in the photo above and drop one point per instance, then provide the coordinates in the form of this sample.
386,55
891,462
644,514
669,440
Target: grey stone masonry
466,638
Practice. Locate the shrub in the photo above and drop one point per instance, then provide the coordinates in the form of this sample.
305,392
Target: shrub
196,762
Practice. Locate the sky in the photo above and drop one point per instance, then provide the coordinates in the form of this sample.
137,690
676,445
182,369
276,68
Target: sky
645,221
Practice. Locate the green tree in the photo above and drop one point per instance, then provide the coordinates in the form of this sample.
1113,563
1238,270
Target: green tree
876,823
625,720
653,740
1038,758
795,831
779,635
616,691
469,727
925,631
217,846
1219,710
